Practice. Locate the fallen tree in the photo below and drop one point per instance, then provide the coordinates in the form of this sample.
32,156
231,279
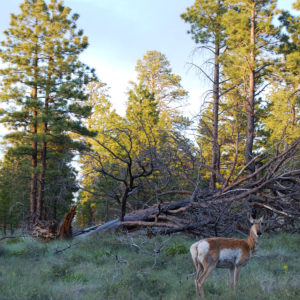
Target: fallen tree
272,190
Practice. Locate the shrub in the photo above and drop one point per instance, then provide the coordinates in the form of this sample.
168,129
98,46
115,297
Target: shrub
176,248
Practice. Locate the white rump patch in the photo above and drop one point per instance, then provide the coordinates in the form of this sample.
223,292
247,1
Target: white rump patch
199,250
230,255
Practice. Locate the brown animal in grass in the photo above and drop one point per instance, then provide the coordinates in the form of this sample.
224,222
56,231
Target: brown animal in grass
230,253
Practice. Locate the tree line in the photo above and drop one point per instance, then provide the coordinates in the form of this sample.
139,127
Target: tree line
56,108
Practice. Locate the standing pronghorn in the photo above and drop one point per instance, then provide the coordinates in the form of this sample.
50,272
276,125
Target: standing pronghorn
227,253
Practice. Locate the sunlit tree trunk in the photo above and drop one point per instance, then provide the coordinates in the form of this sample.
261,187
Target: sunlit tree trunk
251,96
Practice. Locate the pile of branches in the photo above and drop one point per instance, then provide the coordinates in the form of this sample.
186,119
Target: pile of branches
273,190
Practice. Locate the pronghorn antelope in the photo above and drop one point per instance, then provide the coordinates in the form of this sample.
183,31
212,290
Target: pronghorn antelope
228,253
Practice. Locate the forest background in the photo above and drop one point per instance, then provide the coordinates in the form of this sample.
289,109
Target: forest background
57,111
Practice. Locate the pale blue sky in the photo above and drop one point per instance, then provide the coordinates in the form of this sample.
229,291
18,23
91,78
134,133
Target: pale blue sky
121,31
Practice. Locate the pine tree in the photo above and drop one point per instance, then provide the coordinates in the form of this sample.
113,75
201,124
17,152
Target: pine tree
100,192
251,38
125,155
142,108
42,79
207,30
283,120
14,188
154,72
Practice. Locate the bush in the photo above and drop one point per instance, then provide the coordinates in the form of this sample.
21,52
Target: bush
176,248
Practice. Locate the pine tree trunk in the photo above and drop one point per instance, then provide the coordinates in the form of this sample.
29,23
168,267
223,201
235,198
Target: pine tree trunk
40,204
216,96
33,184
251,97
41,194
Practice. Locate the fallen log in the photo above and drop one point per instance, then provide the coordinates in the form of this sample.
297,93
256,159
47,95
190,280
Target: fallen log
136,216
147,224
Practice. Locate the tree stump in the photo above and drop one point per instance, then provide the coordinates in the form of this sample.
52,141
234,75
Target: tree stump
65,229
50,230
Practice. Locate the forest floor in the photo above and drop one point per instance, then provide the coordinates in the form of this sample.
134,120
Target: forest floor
131,266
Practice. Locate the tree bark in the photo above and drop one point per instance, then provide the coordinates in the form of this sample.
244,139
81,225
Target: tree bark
33,184
41,194
65,229
251,97
216,96
40,203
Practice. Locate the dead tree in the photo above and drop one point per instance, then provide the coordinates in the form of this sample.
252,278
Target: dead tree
134,167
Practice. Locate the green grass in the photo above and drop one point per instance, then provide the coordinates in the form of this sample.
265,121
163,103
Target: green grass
111,266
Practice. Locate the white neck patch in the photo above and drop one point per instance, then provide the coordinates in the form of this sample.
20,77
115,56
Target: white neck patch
253,229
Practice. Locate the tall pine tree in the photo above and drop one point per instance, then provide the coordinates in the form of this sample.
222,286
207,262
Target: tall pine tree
251,38
208,31
283,120
42,83
155,73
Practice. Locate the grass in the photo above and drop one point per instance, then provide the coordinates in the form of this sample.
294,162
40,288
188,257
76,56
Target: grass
111,266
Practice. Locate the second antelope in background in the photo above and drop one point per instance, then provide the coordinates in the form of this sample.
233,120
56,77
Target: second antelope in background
230,253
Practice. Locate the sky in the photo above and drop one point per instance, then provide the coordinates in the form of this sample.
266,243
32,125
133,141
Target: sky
121,31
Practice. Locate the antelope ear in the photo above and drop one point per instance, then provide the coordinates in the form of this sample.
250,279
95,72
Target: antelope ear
261,219
250,218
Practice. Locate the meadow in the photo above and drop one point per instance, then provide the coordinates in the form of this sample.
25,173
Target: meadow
132,266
